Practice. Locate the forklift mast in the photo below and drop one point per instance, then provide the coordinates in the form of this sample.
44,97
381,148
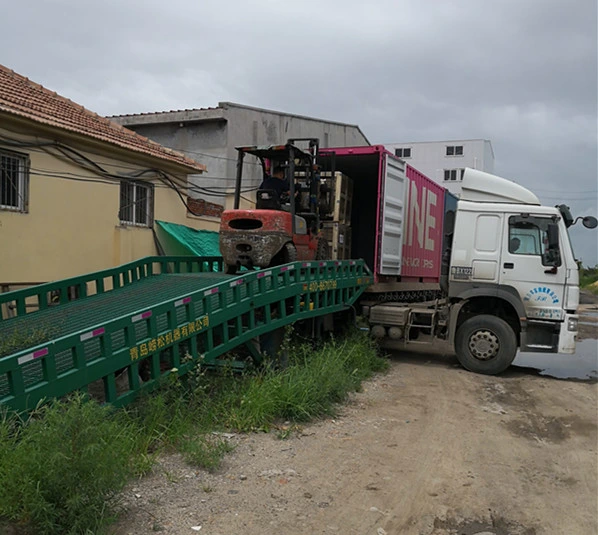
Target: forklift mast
295,159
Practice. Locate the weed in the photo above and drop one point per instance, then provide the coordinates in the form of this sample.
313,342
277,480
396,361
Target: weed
205,451
18,340
588,278
285,432
171,477
309,387
62,469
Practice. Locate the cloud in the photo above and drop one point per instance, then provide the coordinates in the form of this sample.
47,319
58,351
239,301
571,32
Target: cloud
522,74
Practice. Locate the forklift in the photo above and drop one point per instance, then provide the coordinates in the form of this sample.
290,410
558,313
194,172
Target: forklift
282,228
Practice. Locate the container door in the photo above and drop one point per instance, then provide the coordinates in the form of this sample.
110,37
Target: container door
393,213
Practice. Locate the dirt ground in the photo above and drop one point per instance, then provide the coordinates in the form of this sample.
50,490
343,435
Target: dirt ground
427,449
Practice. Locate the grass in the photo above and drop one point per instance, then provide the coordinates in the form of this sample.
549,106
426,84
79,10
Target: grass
588,279
16,341
62,469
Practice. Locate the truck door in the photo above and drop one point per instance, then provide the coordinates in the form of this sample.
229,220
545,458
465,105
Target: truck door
393,213
531,263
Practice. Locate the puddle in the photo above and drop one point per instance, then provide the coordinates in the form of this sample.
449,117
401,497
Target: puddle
583,365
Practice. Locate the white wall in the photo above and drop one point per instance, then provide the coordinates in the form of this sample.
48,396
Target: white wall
431,159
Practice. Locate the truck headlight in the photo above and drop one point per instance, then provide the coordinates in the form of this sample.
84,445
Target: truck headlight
572,324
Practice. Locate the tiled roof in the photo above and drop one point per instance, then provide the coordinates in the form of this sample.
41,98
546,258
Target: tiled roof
20,96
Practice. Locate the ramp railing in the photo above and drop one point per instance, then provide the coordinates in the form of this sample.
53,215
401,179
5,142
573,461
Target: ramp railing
116,360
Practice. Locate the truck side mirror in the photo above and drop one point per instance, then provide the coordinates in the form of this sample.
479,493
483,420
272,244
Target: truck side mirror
589,221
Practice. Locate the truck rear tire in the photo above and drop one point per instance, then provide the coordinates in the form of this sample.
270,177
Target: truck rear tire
486,344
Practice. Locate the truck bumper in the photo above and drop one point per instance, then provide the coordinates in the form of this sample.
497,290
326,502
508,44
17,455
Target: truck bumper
568,334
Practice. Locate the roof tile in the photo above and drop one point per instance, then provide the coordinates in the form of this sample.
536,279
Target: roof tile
20,96
163,112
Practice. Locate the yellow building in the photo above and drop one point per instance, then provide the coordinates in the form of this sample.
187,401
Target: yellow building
78,192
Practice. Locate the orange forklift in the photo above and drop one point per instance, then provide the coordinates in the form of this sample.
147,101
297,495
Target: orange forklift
281,228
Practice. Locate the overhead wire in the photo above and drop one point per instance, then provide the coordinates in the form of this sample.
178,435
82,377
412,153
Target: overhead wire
37,146
94,167
215,191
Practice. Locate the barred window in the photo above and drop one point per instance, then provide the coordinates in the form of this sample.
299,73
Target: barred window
136,203
14,181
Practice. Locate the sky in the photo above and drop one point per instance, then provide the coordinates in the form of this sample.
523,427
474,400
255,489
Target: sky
521,73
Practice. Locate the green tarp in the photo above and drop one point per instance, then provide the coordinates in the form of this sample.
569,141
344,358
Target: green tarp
179,240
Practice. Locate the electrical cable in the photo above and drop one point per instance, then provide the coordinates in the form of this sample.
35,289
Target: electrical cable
32,148
94,167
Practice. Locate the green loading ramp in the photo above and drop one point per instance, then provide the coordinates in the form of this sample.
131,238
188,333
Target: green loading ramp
152,316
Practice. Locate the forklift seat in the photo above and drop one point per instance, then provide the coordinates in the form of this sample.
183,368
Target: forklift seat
267,199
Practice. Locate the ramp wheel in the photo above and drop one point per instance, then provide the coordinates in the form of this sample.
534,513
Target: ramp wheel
323,250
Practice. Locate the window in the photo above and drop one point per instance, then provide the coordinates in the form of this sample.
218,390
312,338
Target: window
14,181
528,235
454,150
454,174
136,203
403,153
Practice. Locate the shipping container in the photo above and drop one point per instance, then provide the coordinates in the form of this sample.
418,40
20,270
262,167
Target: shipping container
397,214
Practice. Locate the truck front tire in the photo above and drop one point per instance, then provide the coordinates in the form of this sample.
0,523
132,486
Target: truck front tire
485,344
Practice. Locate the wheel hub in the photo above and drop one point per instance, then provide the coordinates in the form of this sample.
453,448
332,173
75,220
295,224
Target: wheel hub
484,345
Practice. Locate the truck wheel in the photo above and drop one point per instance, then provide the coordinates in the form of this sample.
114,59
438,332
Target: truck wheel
323,250
485,344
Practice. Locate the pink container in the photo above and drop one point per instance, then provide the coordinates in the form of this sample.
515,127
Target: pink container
422,235
423,208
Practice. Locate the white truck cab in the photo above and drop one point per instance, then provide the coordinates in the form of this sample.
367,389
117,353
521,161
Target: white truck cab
511,266
509,279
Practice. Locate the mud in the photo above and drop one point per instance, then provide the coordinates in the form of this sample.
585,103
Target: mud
428,449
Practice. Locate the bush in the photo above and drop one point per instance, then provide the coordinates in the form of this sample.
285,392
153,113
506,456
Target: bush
308,388
62,469
588,278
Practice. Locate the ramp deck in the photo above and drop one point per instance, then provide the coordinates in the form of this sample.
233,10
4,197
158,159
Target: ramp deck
126,328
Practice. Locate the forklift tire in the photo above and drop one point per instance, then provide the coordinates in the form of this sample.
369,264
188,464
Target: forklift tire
486,344
323,250
289,253
230,269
